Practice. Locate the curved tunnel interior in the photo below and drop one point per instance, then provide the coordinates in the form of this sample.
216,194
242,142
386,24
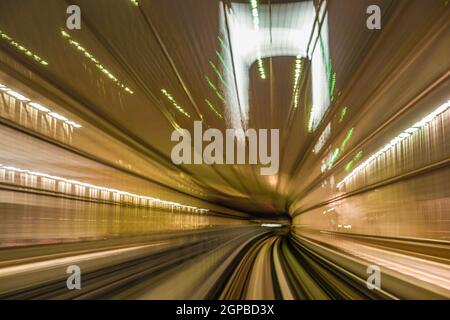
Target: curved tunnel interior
205,149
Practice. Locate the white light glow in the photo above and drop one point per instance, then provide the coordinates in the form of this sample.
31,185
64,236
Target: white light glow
38,106
58,116
406,134
74,124
322,139
17,95
254,36
113,192
320,84
271,225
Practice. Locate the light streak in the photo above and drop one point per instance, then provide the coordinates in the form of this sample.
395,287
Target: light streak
342,114
322,139
211,84
135,198
38,106
210,105
311,119
271,225
297,76
347,138
406,134
355,159
91,58
174,103
217,72
255,14
22,49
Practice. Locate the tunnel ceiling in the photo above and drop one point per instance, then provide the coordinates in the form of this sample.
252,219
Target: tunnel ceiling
175,48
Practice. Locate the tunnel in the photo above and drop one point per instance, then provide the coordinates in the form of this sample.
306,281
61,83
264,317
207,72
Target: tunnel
224,150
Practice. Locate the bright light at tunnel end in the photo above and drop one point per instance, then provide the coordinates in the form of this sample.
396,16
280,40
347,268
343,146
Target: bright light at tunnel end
271,225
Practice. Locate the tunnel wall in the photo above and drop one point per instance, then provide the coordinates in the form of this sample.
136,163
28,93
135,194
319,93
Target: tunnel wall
413,208
404,192
38,219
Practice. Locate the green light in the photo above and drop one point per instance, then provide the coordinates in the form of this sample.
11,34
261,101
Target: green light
217,72
329,69
221,42
210,105
338,151
219,95
349,165
222,61
347,138
135,2
333,158
343,113
355,159
332,85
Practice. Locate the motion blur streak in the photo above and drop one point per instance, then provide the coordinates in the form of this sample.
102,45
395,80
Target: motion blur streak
86,177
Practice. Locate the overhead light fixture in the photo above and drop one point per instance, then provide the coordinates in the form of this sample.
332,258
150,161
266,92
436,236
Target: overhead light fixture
58,116
17,95
212,86
74,124
38,106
